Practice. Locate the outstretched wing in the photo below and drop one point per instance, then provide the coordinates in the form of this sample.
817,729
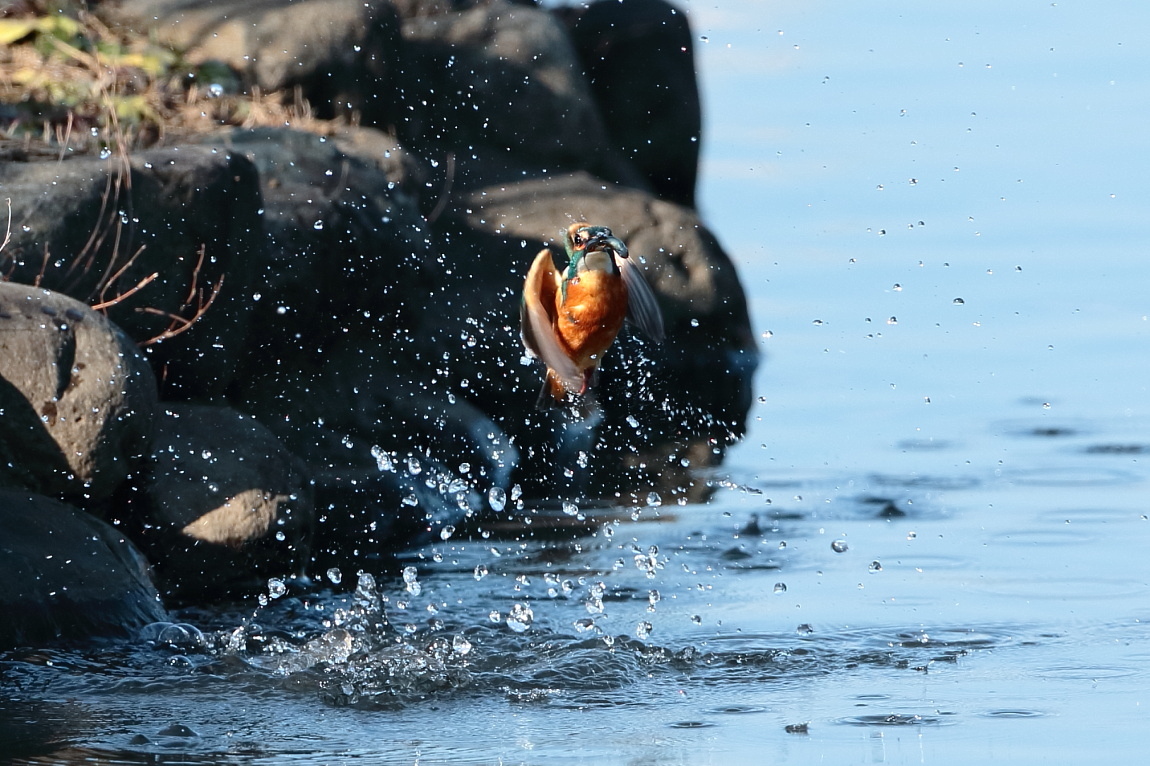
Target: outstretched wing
537,320
642,306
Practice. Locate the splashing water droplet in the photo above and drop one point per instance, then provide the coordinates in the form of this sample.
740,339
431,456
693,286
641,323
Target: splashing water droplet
411,580
318,225
839,546
480,571
382,459
446,532
335,576
520,617
875,567
654,500
643,630
276,587
959,302
460,646
584,624
805,629
570,508
497,499
780,587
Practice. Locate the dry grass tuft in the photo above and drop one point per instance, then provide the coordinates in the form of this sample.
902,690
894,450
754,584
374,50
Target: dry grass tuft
72,83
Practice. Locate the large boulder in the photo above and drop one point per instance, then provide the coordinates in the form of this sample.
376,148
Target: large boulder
96,229
221,506
76,397
340,55
638,57
499,89
66,575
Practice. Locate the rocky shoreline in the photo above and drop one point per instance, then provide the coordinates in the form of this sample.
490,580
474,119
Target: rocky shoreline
353,380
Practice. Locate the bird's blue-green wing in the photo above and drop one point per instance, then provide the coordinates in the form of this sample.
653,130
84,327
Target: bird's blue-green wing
642,306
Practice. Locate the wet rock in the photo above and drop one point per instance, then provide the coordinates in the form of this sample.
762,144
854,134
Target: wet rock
76,397
498,87
222,505
638,57
66,575
340,55
350,258
95,229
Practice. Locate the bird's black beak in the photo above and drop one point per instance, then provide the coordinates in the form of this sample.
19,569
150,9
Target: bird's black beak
607,242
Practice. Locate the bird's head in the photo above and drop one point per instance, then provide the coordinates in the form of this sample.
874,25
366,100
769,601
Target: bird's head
583,238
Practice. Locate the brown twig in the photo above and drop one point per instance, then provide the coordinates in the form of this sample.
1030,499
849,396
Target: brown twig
122,296
177,323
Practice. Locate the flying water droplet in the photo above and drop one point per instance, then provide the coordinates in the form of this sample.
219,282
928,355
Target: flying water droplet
780,587
643,630
446,532
411,580
654,500
520,617
874,567
839,546
480,571
276,587
460,646
335,576
497,499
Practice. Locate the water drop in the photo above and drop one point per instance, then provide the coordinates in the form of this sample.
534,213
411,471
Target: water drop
276,587
959,302
382,459
446,532
584,624
805,629
411,580
497,499
215,90
105,152
643,630
520,617
460,646
318,225
839,546
654,500
570,508
480,571
780,587
875,567
335,576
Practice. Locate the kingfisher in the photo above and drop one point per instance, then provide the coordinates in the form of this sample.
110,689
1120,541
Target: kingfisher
571,313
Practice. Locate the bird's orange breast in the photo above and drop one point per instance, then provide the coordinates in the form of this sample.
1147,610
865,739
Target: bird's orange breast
591,316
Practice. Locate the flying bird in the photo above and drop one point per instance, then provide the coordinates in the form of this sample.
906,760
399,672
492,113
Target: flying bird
570,314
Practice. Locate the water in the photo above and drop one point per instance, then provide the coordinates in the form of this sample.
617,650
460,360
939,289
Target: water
929,549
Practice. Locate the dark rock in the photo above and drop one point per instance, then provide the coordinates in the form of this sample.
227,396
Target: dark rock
66,575
639,59
341,55
498,87
94,229
222,506
76,397
338,369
